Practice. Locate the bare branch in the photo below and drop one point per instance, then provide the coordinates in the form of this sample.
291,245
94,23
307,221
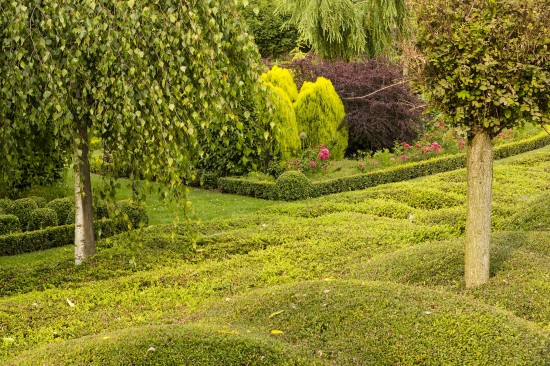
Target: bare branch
379,90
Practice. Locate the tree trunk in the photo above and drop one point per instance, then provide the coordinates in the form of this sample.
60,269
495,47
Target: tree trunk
478,221
84,230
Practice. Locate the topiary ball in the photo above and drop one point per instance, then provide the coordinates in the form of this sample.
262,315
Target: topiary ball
22,208
42,218
40,201
62,207
9,224
293,185
133,212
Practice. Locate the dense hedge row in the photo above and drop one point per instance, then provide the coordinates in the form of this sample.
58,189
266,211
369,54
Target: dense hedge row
270,191
125,215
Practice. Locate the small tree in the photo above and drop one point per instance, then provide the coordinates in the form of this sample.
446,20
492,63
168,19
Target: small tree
486,67
146,77
319,112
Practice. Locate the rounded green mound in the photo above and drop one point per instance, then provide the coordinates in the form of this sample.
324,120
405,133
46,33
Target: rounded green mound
375,323
293,185
165,345
535,216
520,271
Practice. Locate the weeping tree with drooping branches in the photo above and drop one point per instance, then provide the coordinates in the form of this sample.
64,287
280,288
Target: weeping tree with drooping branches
344,29
485,65
147,77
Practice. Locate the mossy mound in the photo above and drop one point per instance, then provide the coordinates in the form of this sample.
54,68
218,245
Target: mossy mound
520,271
165,345
378,323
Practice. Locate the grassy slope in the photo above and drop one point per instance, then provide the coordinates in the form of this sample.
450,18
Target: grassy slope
405,233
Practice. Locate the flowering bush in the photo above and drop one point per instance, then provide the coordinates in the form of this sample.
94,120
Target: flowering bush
312,159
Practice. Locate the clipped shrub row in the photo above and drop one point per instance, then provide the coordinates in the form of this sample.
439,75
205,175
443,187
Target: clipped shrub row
285,189
126,215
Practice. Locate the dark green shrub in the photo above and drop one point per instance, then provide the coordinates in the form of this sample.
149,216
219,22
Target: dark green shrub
63,208
267,28
9,224
40,201
51,237
22,208
244,187
5,204
293,185
42,218
132,213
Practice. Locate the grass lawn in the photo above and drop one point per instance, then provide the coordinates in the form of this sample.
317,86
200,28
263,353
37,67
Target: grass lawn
357,278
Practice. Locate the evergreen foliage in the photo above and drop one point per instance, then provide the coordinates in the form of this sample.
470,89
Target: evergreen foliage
42,218
319,112
284,122
283,79
64,209
22,208
9,224
271,35
293,185
344,29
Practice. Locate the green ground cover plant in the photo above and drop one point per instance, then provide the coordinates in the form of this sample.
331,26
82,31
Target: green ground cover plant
372,275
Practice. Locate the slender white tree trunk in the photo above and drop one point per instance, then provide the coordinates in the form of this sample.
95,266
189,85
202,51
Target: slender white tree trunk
478,220
83,229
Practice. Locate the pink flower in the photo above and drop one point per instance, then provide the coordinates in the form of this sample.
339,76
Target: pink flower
361,165
426,134
402,157
461,144
392,160
501,135
324,154
436,147
406,146
312,164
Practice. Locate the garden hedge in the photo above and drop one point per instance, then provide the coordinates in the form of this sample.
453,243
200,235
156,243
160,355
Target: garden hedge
269,190
50,237
9,224
129,215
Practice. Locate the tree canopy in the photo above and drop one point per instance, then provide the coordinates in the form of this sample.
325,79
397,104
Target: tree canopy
345,29
147,77
485,65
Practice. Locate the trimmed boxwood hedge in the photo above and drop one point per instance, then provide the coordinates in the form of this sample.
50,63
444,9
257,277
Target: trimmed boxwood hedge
270,191
42,218
9,224
51,237
22,208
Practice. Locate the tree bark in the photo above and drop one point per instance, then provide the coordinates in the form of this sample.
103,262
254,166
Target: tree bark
478,221
84,228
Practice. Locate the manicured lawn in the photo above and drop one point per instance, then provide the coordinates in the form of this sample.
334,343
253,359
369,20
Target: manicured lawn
364,277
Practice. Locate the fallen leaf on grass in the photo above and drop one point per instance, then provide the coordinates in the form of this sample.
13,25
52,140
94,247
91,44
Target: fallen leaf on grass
277,331
71,304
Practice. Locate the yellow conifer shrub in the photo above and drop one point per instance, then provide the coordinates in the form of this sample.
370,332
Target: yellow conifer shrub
319,112
283,122
282,78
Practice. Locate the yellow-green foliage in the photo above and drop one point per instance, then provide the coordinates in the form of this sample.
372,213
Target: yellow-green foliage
283,121
283,79
319,112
